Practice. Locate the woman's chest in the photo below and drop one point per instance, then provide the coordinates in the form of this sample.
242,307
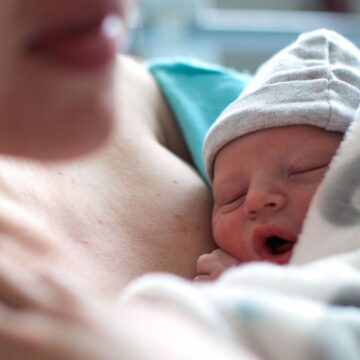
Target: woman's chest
124,213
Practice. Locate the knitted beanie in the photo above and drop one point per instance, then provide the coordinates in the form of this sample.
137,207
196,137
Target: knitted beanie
314,81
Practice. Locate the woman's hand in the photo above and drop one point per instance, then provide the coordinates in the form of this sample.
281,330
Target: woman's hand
211,266
43,317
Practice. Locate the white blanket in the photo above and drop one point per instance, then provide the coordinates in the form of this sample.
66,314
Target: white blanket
309,309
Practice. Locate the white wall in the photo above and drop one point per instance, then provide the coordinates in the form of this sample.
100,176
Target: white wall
242,40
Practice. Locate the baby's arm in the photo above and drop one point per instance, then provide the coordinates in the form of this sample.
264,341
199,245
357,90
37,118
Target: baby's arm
211,266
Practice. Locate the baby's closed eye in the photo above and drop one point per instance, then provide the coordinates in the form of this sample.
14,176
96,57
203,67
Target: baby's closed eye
307,173
231,203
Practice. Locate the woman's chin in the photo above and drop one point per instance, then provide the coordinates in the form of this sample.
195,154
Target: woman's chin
56,138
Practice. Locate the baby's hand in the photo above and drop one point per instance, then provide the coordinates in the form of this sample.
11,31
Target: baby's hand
211,266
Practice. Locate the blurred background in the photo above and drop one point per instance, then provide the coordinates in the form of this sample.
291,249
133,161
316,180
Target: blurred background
237,33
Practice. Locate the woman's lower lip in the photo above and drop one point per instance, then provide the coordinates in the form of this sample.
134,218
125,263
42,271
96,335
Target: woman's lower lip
87,50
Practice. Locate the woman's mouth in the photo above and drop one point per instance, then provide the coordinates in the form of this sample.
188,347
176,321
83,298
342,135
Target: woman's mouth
86,45
273,244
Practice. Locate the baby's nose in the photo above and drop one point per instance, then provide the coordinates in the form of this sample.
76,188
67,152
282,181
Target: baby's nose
257,203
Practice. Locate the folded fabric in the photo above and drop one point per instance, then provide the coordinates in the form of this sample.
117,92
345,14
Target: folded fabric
197,93
301,313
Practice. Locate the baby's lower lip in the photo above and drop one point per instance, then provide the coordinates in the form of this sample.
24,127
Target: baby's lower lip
85,49
280,259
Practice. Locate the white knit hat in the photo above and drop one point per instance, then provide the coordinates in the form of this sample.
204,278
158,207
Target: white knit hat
314,81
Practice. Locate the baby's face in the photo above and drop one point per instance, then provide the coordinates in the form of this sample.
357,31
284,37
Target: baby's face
56,75
263,186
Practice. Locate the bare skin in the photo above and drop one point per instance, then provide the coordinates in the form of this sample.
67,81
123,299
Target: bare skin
47,317
137,205
134,207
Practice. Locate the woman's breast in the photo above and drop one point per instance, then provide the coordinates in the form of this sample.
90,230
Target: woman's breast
158,211
120,215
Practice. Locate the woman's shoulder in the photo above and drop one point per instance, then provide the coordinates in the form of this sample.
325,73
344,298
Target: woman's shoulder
143,101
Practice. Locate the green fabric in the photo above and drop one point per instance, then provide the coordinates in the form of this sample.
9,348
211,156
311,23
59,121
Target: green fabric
197,93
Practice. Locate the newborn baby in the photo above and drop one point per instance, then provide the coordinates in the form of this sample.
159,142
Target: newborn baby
269,150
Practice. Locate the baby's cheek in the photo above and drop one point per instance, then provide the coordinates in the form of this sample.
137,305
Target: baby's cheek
225,230
305,200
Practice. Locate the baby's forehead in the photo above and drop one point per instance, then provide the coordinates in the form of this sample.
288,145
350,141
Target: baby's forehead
267,145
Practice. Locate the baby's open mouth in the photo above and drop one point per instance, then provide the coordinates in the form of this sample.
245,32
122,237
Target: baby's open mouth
273,244
277,245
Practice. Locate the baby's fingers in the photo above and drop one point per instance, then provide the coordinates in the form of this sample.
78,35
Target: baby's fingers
203,278
211,266
226,259
206,264
208,267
